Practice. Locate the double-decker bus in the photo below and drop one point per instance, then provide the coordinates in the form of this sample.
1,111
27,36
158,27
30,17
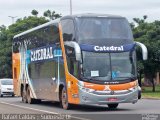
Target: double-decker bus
77,59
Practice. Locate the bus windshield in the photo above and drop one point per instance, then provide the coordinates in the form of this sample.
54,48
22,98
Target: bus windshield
109,66
93,30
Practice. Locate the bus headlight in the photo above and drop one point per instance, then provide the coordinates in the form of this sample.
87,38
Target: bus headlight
87,89
131,89
83,88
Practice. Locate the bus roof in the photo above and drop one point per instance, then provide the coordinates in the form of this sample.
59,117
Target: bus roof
68,16
36,28
92,15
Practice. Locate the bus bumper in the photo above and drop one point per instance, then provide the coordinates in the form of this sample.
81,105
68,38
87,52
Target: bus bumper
108,97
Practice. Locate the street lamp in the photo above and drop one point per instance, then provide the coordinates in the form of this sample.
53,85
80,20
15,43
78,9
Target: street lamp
70,7
12,17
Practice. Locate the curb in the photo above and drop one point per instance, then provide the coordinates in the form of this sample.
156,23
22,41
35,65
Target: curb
150,98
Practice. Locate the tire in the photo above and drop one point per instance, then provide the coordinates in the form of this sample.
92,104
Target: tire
37,101
139,95
24,98
28,96
113,106
1,94
64,99
13,95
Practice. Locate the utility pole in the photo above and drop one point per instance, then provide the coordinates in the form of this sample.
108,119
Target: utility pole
70,7
12,17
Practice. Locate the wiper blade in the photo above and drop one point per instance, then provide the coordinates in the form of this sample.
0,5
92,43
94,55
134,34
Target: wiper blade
127,77
90,78
85,78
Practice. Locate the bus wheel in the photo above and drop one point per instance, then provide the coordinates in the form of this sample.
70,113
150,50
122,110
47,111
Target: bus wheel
24,99
64,99
113,106
37,101
29,99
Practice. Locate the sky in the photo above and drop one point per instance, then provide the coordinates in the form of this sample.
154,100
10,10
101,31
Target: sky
126,8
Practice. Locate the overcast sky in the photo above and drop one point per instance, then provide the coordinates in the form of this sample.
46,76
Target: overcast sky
126,8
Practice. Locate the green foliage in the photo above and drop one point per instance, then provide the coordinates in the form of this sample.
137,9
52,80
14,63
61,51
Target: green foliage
34,12
147,92
149,34
51,15
6,36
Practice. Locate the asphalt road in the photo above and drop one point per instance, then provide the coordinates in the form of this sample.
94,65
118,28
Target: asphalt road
144,109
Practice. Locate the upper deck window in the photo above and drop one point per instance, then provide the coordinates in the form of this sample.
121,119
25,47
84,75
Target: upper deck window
68,30
93,29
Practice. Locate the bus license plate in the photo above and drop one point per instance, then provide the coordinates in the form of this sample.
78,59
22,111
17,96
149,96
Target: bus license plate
112,99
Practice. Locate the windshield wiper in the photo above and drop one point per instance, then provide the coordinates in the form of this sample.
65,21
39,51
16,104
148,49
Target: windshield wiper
132,78
90,78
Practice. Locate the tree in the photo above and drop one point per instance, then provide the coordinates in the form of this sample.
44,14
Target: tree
34,12
51,15
7,33
6,36
149,34
140,21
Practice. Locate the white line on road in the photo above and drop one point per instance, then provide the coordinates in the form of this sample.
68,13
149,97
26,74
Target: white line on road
44,111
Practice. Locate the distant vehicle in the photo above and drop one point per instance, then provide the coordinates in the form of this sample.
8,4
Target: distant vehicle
6,87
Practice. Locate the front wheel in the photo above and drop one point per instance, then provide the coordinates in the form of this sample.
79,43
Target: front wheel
113,106
64,99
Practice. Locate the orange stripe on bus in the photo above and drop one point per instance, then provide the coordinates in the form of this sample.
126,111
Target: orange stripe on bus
16,72
72,89
124,86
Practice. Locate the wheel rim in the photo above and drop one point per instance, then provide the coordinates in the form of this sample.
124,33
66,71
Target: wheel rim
28,96
24,99
64,99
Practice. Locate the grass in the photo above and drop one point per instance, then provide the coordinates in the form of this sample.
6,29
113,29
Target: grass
147,92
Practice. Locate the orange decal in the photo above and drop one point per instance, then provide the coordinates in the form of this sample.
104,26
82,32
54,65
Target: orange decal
71,81
16,72
124,86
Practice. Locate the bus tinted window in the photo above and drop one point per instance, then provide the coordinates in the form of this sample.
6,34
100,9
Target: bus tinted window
94,30
44,36
41,37
68,30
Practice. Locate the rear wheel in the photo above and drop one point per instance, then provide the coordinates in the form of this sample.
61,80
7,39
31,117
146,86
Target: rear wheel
24,98
29,99
37,101
64,99
113,106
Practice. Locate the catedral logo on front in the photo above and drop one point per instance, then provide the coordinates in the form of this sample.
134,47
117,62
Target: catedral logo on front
106,48
42,54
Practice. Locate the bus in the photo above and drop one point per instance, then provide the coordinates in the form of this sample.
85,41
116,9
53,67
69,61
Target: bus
82,59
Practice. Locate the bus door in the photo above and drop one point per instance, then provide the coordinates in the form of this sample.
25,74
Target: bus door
57,69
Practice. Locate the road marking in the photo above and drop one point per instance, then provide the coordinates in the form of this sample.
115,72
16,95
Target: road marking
44,111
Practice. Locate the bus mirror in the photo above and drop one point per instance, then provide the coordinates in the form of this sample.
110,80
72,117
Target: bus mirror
70,52
144,50
76,47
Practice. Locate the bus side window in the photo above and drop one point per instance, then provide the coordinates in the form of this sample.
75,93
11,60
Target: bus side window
71,61
68,30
